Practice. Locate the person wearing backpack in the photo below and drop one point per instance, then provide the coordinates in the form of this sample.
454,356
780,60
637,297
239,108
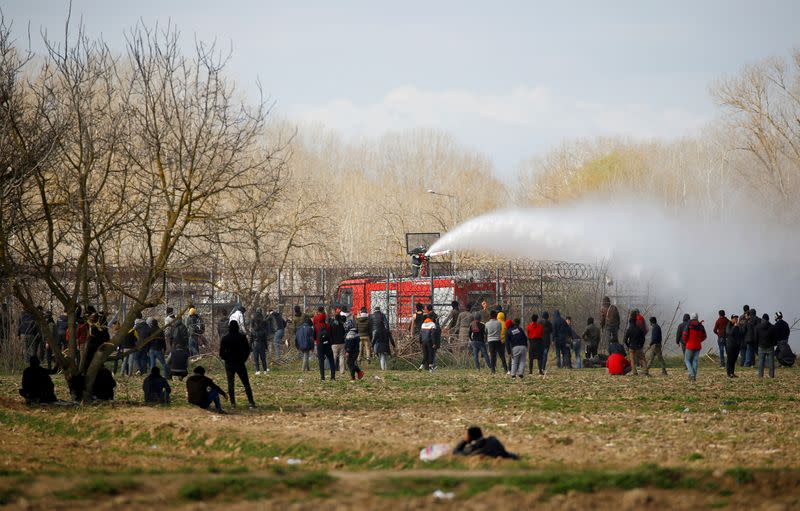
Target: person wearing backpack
477,339
196,328
322,340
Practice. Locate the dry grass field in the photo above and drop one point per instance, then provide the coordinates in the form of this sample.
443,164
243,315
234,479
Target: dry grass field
587,441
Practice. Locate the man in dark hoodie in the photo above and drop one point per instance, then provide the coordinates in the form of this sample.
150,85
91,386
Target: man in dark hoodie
766,346
202,391
780,334
743,326
655,346
475,444
679,333
324,350
37,386
562,335
234,350
477,339
352,342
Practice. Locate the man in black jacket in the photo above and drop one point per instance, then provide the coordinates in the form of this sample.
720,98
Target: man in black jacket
766,346
679,332
234,350
734,341
202,391
475,444
634,340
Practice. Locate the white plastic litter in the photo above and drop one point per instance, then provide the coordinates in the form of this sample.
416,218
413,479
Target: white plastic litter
442,495
434,451
294,461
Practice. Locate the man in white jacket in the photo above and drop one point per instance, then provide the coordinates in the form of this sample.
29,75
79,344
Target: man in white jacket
238,316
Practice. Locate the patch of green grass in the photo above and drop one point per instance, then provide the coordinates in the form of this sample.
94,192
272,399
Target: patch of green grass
741,475
98,487
554,482
9,495
251,488
695,456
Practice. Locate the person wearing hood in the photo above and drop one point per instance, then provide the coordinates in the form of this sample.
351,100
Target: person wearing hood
352,341
382,339
693,337
475,444
177,334
37,386
477,339
734,340
157,346
561,337
765,339
494,333
304,341
364,327
234,350
634,340
196,328
517,344
679,333
156,388
104,385
278,328
238,316
780,333
259,330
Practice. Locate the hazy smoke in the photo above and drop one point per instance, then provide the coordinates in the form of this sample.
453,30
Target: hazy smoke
705,265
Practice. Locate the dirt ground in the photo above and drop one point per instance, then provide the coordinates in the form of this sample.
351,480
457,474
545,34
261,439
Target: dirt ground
730,436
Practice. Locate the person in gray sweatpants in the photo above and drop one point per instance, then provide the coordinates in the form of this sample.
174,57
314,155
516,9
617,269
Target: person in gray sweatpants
517,346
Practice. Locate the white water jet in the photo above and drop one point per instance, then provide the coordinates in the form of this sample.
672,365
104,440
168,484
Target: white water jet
706,265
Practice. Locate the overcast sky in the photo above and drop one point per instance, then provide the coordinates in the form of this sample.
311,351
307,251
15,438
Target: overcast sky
510,79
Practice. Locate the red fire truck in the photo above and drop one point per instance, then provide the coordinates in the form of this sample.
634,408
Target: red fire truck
397,296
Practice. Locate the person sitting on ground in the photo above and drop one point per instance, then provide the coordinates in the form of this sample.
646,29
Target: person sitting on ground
202,391
104,383
475,444
616,347
156,387
617,364
37,386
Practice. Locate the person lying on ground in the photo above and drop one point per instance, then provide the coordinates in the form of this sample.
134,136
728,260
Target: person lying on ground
37,386
475,444
202,391
618,365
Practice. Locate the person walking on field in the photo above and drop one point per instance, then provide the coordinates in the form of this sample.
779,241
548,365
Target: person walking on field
382,340
234,350
517,343
426,334
679,333
693,338
634,340
655,346
766,346
351,345
720,330
734,340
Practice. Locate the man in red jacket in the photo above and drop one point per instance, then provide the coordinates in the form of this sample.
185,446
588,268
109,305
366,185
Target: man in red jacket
693,337
618,365
720,328
535,332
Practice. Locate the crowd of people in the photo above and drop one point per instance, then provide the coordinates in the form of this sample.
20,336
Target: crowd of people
343,341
